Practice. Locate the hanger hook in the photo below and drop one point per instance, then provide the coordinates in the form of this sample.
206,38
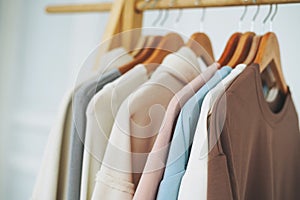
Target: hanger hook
266,18
254,18
256,13
202,20
242,18
165,17
273,17
203,15
171,4
177,19
180,11
275,12
269,13
244,14
158,18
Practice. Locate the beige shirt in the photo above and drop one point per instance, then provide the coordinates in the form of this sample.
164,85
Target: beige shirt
137,124
101,113
51,182
154,169
46,186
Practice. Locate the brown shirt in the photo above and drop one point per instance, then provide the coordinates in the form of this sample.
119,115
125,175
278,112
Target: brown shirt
257,155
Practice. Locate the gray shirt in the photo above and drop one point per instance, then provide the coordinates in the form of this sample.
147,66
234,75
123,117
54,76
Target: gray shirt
81,100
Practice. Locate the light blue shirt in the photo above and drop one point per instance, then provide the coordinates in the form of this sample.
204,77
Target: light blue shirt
183,138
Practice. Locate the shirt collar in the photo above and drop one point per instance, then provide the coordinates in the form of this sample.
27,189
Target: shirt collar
182,64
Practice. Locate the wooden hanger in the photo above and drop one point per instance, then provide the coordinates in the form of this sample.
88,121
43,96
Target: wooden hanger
149,40
253,50
204,41
201,45
268,55
242,49
140,46
152,43
169,44
229,49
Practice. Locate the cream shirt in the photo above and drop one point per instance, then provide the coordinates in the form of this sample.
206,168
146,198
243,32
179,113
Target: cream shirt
51,182
137,124
156,161
46,186
100,114
194,181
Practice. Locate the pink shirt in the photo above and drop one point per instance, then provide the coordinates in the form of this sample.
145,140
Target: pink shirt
154,168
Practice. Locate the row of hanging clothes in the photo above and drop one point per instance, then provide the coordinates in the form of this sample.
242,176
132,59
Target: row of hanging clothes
166,121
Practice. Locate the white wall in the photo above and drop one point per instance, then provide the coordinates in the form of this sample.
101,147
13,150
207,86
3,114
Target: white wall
39,60
41,55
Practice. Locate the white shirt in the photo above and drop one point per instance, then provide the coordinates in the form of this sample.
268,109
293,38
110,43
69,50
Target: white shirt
101,113
194,181
137,123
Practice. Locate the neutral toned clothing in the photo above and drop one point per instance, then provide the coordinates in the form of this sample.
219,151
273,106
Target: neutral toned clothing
137,124
183,138
80,102
52,180
150,179
194,180
258,149
101,112
46,186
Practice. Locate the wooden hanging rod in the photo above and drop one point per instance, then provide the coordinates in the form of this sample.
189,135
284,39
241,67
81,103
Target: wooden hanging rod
162,4
176,4
74,8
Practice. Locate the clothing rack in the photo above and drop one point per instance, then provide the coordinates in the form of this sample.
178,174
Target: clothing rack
162,4
92,7
128,14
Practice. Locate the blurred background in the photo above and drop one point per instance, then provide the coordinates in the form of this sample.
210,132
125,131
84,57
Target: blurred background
41,55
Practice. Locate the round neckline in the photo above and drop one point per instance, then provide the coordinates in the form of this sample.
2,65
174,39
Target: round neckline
269,115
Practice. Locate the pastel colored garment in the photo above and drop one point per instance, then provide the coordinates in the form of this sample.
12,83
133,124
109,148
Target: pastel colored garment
183,138
150,179
194,181
100,114
137,124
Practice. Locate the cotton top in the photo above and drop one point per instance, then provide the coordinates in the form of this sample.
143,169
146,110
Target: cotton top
194,180
52,180
183,137
46,186
133,132
100,114
154,168
257,155
80,102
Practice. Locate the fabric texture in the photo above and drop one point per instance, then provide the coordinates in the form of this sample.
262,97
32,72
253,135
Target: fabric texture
100,114
183,138
46,186
81,98
137,124
150,179
194,181
52,179
258,145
